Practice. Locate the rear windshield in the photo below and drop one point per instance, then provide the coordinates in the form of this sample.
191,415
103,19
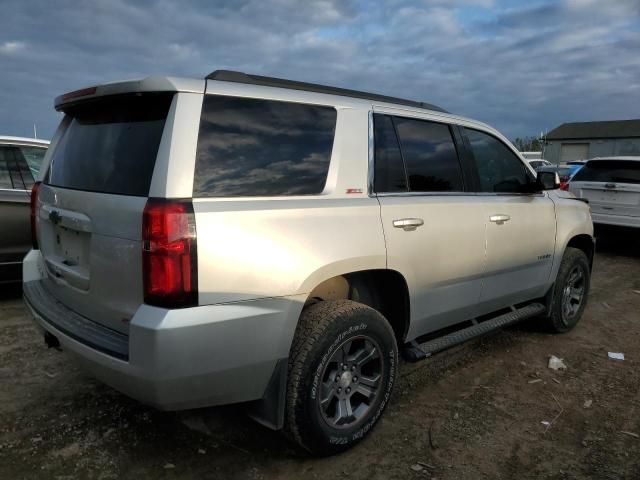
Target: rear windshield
609,171
111,144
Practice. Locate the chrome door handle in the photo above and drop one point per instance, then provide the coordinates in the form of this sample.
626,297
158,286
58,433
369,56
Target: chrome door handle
408,224
499,218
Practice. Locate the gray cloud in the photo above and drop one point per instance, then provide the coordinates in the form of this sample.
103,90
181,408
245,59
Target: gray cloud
520,67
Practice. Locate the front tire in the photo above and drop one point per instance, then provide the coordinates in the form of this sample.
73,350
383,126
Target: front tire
570,291
342,369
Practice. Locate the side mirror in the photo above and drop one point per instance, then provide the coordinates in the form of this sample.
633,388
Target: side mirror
547,181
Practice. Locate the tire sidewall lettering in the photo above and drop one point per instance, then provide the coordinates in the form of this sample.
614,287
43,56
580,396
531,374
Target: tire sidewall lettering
364,429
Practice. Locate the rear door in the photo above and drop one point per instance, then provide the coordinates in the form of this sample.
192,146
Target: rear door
520,226
91,204
434,229
611,186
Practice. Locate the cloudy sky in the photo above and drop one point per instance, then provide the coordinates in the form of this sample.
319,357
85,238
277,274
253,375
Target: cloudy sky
522,66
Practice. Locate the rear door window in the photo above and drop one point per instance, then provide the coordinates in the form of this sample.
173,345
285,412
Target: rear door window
499,169
389,173
111,144
429,155
255,147
609,171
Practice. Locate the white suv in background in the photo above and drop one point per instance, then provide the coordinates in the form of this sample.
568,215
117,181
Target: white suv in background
612,187
250,239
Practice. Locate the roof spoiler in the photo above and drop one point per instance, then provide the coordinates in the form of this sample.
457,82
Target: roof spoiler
148,84
240,77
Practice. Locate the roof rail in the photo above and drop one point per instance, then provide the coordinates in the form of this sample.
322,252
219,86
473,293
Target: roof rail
240,77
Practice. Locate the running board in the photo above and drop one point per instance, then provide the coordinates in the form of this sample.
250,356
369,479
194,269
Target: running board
414,351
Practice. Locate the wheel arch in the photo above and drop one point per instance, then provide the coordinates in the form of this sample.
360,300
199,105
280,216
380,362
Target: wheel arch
585,243
384,290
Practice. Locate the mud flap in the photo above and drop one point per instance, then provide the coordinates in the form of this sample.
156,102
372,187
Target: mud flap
269,410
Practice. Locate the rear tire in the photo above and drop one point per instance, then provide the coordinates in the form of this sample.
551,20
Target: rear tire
342,369
570,293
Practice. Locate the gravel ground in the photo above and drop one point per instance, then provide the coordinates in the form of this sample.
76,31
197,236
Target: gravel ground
474,412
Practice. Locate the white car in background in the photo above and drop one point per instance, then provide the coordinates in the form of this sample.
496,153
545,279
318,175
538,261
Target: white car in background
612,187
538,162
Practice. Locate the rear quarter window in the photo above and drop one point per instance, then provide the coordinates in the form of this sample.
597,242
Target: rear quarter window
14,166
33,157
6,156
254,147
110,144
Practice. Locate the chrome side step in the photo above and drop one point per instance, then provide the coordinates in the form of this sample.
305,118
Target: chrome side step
414,351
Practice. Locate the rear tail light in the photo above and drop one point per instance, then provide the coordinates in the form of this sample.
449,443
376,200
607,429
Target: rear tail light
169,253
34,212
564,185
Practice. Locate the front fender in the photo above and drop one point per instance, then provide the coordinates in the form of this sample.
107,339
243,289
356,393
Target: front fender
573,218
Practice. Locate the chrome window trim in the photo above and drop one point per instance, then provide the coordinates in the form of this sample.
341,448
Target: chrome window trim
426,194
370,175
24,144
457,194
14,190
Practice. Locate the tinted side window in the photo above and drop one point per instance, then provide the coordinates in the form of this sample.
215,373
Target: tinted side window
5,177
389,170
429,155
252,147
11,173
33,157
500,170
22,166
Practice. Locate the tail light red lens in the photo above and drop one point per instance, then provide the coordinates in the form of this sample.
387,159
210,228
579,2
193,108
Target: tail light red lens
564,185
169,254
34,212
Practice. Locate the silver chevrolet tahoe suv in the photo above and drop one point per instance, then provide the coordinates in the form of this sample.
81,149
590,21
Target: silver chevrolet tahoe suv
277,243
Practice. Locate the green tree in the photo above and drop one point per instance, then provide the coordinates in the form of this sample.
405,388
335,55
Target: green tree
528,144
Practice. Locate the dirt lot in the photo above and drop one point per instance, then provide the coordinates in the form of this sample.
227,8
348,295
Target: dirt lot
475,412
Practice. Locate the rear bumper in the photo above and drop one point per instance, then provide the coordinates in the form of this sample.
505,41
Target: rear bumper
619,220
178,359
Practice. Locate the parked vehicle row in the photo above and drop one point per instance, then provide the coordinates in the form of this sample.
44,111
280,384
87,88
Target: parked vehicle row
20,160
276,243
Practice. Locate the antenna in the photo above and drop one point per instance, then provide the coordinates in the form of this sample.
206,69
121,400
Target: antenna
35,131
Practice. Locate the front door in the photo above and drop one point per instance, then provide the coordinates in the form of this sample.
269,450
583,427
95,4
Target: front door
520,226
